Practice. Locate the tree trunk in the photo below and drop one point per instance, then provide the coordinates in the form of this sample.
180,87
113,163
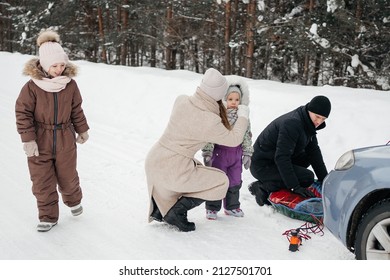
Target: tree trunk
119,32
228,66
359,9
306,64
233,30
108,28
125,26
6,30
153,45
181,57
305,76
196,56
317,66
359,14
250,46
169,51
90,50
101,35
310,5
133,54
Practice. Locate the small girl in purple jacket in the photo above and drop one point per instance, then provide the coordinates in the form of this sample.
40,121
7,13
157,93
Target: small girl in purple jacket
230,159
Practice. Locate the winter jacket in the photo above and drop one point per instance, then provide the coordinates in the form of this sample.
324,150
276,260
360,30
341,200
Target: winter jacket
171,168
39,113
286,138
246,144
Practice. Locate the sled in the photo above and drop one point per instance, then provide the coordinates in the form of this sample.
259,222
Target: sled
298,207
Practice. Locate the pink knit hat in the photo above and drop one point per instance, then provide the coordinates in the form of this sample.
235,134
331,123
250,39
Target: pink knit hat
50,51
214,84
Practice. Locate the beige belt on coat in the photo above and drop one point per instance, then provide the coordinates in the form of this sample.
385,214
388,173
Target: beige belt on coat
164,141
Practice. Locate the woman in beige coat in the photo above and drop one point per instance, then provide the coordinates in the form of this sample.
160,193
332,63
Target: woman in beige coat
48,114
177,182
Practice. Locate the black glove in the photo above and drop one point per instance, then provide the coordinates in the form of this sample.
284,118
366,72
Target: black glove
303,192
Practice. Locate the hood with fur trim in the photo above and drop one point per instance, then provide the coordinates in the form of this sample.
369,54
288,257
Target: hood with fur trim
33,69
234,80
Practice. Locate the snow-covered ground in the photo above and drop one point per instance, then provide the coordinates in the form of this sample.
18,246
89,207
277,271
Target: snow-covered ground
127,109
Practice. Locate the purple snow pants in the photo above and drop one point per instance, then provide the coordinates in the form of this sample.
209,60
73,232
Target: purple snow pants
229,160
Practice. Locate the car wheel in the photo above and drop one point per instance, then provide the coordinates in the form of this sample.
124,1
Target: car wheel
373,235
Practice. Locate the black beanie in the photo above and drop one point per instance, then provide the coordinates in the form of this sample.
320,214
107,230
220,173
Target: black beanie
320,105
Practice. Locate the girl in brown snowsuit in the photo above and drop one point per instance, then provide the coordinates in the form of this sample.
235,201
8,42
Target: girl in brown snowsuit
48,116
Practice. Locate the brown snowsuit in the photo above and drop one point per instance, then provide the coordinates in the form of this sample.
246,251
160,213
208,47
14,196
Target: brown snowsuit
51,119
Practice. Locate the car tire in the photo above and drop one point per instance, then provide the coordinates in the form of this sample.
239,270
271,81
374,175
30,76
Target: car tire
373,233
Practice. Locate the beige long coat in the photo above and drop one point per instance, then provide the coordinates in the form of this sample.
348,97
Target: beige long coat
170,166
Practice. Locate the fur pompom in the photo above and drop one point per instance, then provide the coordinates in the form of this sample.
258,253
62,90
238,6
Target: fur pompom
47,36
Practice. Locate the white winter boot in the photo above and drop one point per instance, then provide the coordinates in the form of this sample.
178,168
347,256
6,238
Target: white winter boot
76,210
45,226
211,214
235,212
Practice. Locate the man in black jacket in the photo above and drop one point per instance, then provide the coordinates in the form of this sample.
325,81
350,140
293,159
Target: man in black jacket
286,148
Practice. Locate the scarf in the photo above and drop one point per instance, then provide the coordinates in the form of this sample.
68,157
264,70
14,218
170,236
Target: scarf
52,85
232,115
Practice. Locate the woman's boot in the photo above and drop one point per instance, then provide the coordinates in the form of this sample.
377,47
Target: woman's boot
156,215
177,215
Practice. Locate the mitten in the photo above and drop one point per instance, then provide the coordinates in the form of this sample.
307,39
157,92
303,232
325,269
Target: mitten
82,137
207,158
243,111
31,148
303,192
246,161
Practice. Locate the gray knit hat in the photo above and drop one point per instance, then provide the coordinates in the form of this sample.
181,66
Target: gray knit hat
214,84
233,88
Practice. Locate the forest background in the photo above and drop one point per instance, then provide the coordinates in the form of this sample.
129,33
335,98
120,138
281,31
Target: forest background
307,42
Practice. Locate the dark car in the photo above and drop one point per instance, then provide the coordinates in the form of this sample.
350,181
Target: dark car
356,200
